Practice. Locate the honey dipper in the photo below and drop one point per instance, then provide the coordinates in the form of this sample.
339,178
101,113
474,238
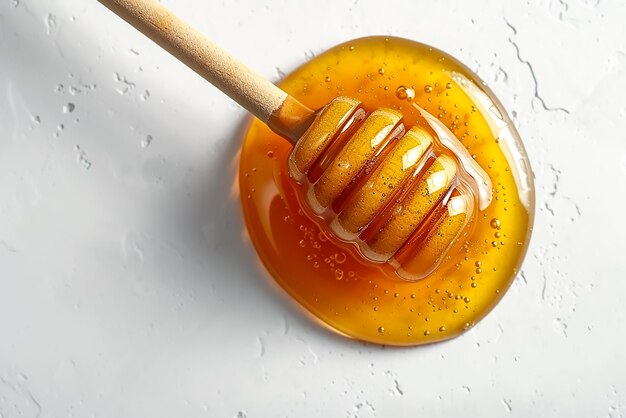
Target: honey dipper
402,196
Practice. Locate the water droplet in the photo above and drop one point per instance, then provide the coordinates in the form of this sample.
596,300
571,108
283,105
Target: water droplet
270,154
327,79
426,332
351,48
395,295
381,329
466,299
448,86
405,93
428,88
495,223
146,141
442,328
302,243
68,108
478,264
51,22
413,296
381,71
82,158
338,274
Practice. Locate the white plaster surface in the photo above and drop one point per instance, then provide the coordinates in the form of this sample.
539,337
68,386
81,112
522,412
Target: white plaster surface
126,289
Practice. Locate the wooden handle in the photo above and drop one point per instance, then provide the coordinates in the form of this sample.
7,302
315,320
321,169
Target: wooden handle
260,97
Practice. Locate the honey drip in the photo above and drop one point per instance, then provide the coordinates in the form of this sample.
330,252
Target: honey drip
329,278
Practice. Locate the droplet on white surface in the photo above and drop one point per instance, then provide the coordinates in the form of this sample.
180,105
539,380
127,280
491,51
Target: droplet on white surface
146,141
81,157
51,22
127,85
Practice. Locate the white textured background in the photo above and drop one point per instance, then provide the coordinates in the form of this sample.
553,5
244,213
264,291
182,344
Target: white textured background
125,287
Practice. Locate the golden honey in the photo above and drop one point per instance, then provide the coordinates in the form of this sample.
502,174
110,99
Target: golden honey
329,278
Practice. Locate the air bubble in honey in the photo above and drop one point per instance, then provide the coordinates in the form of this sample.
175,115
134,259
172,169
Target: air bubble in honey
357,304
405,93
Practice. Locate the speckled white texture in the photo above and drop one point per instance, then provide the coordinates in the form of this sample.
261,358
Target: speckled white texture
126,289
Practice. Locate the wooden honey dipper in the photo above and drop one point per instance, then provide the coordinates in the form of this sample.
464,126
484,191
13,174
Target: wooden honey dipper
402,196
